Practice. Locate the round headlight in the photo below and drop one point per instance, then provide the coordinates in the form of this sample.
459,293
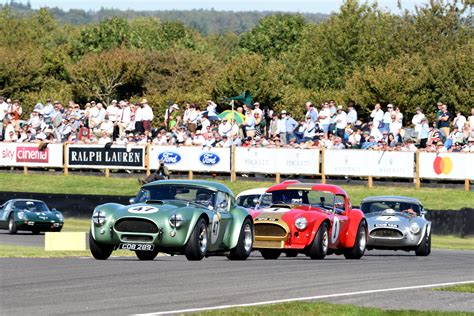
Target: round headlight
301,223
176,220
60,216
98,218
21,215
415,228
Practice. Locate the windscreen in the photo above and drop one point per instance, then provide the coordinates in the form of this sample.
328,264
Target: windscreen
314,198
33,206
381,206
187,193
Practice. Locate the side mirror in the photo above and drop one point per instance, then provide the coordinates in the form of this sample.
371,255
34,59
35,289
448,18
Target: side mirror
132,200
54,209
423,213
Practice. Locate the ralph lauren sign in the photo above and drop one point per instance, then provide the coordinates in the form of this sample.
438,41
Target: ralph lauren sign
99,157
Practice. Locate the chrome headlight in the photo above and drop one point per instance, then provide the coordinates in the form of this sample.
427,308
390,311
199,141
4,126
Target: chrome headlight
21,215
98,218
301,223
415,228
60,217
176,220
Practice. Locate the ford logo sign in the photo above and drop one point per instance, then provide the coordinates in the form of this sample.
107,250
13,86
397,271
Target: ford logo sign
169,157
209,159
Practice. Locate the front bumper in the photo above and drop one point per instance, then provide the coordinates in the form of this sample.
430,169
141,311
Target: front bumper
270,235
31,225
403,240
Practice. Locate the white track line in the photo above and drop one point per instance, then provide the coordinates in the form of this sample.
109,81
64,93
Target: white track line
193,310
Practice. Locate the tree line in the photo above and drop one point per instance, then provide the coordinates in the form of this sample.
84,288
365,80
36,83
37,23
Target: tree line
360,53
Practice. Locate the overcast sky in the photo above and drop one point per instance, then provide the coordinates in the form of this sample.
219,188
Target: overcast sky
315,6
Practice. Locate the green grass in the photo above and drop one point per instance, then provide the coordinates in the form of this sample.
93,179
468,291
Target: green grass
468,288
321,308
452,242
432,198
14,251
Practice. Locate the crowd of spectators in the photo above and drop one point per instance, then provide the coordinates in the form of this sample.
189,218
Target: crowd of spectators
327,125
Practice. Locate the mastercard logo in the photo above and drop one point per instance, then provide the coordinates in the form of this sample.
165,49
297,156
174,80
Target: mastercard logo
442,165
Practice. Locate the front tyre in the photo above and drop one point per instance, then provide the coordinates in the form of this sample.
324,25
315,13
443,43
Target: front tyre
244,245
270,254
196,248
12,229
360,244
424,248
319,247
98,250
146,255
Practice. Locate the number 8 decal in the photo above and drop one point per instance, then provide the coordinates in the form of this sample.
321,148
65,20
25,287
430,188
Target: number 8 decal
336,226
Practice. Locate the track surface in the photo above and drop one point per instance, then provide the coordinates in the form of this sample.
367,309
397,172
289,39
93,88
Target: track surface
126,285
21,238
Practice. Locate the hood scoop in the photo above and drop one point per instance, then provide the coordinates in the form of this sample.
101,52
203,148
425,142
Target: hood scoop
154,202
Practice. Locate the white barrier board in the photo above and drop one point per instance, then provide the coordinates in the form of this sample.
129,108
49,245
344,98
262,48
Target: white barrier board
277,160
191,158
352,162
458,166
13,154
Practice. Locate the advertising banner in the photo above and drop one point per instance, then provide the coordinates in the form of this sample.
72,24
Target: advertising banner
191,158
12,154
277,160
97,156
458,166
369,163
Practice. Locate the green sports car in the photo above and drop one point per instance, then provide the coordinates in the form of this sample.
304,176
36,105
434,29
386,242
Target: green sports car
194,218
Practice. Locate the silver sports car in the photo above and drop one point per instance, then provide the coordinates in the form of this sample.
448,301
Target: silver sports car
397,223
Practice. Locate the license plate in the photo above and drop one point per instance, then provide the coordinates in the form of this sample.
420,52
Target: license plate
140,247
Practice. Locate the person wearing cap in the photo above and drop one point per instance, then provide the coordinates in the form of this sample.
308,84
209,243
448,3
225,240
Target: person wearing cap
394,127
469,147
171,113
341,122
416,121
377,116
440,147
444,119
147,116
124,116
351,113
387,118
225,128
311,112
112,110
371,143
257,109
324,117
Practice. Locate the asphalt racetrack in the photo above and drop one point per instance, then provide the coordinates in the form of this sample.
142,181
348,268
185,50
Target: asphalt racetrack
124,285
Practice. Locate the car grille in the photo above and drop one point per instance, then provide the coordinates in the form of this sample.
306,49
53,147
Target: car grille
390,233
136,225
269,230
136,238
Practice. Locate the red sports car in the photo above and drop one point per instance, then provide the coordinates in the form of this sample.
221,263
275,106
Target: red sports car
313,219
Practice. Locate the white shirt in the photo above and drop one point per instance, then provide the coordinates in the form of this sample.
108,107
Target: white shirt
351,116
387,117
416,120
112,112
341,120
377,116
376,133
281,126
104,140
459,121
394,127
3,110
139,114
211,109
205,124
123,115
225,129
471,122
327,113
147,113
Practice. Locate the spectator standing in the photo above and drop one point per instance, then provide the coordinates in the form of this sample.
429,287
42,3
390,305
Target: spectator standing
281,127
48,111
123,116
332,121
249,123
394,127
139,127
341,122
325,117
224,128
424,132
375,132
444,119
111,111
471,122
273,130
387,118
416,121
3,108
256,109
147,116
291,126
192,118
459,120
211,111
311,112
399,115
377,116
351,114
439,105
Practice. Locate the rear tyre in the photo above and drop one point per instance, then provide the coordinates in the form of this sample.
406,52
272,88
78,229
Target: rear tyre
270,254
146,255
360,244
98,250
424,248
319,247
196,248
12,225
244,245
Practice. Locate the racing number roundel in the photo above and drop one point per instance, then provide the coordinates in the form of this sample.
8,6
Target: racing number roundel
336,227
216,220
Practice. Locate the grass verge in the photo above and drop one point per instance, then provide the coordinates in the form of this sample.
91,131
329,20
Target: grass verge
432,198
321,308
468,288
452,242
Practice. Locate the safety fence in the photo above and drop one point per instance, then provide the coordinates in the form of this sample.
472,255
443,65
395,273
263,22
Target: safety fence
239,160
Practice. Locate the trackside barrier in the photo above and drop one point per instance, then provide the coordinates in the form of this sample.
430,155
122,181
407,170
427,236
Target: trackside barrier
275,161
